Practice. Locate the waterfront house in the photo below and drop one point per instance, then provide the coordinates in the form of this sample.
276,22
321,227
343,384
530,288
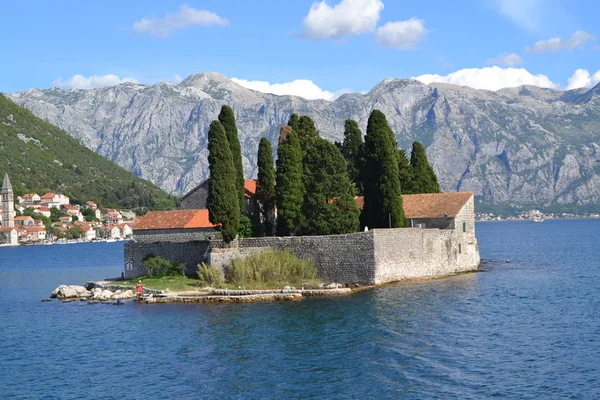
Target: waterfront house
111,231
35,233
126,230
88,228
73,211
9,235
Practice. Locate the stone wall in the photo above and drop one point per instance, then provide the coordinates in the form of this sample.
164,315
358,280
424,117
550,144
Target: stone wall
196,198
176,235
189,253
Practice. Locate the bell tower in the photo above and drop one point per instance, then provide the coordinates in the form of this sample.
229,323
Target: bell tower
8,205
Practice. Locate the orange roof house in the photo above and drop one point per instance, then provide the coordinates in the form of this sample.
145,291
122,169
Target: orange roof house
429,205
177,219
249,188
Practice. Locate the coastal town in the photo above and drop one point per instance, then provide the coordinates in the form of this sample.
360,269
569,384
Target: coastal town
531,215
50,218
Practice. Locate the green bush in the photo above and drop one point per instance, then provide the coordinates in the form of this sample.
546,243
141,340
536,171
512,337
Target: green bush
245,228
159,267
272,268
210,276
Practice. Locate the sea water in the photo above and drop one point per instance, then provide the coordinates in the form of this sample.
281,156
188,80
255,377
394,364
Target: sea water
525,329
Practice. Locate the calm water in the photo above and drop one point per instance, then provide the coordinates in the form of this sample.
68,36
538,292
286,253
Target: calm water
528,329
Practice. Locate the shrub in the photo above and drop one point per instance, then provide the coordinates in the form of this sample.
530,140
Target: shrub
245,228
159,267
273,268
210,276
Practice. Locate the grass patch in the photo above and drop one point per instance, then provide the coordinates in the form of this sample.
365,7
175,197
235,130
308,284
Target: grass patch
271,269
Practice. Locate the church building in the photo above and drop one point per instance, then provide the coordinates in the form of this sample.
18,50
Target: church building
8,233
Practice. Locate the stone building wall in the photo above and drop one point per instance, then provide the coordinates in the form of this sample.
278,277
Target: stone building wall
176,235
189,253
196,198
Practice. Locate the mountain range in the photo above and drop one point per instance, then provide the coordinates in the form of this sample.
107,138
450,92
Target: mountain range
516,147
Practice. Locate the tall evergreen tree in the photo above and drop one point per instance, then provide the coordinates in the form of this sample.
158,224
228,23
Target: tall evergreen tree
424,180
353,151
222,203
227,119
265,187
289,188
293,122
383,198
329,207
306,130
405,172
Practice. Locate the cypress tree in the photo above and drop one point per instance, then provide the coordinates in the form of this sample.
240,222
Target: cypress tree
227,119
353,151
424,180
289,189
405,173
265,187
222,203
383,198
293,122
329,207
306,130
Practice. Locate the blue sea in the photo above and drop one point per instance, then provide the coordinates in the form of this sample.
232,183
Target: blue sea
520,330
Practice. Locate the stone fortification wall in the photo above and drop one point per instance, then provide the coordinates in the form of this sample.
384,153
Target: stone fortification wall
339,258
412,252
176,235
374,257
189,253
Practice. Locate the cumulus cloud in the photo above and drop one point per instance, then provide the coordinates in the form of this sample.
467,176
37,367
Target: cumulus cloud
577,41
348,18
81,82
490,78
401,34
186,17
301,87
582,78
506,60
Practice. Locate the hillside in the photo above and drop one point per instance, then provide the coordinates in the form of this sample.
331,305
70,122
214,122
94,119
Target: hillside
40,158
515,148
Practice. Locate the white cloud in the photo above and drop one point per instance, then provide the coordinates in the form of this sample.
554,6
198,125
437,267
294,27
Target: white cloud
582,78
349,17
524,13
81,82
506,60
577,41
490,78
401,34
301,87
184,18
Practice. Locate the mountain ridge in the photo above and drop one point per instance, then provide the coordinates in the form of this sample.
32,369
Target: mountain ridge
515,146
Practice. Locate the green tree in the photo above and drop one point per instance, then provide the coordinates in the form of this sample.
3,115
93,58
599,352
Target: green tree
55,214
222,202
424,180
353,151
289,190
227,119
245,228
405,173
293,122
329,207
306,131
383,198
265,187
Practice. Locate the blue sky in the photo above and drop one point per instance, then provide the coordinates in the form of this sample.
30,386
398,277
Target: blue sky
314,49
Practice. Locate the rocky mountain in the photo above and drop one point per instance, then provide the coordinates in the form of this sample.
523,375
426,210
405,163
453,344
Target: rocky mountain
516,147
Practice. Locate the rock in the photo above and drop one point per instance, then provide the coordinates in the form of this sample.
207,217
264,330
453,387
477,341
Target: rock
79,289
66,292
287,288
333,286
105,295
118,291
86,295
46,300
127,294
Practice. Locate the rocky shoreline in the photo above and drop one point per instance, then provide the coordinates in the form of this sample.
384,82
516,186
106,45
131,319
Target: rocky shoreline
104,291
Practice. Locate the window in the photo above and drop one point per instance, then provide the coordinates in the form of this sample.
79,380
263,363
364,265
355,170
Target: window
464,226
459,249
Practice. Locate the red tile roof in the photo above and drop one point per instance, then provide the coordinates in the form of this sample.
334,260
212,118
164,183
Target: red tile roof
7,229
249,188
429,205
48,196
178,219
34,229
23,218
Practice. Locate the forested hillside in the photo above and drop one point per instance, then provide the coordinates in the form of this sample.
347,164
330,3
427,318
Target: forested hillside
40,158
